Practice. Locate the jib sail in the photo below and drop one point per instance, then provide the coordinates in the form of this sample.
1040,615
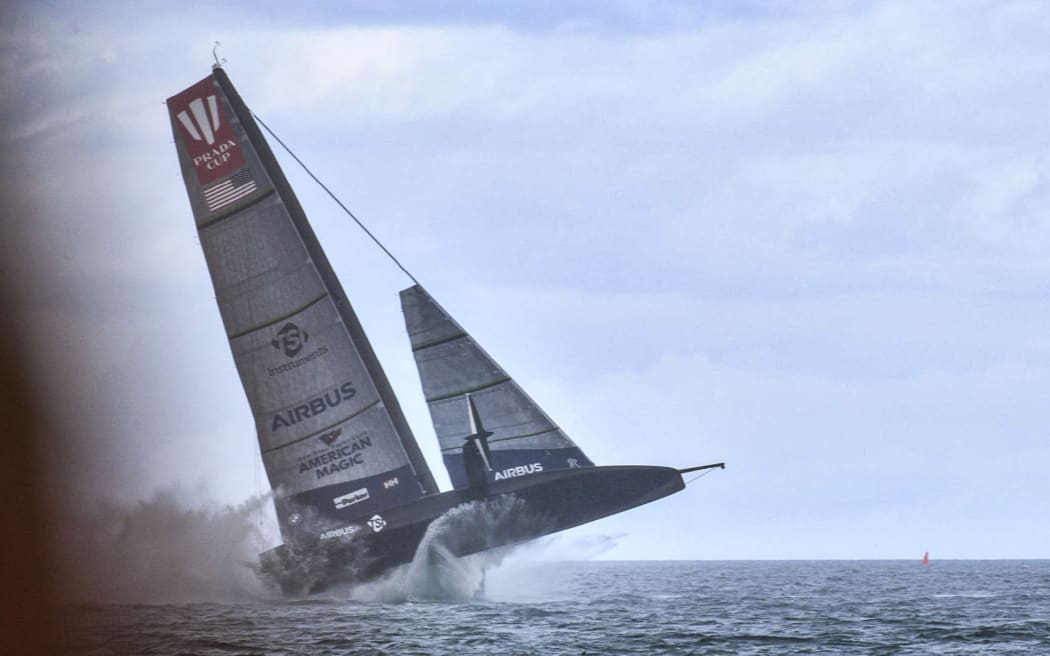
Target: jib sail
452,365
334,441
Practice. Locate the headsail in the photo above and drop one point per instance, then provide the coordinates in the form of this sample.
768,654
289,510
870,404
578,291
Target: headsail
334,441
464,387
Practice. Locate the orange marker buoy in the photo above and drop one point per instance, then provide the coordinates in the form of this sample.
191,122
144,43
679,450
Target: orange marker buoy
926,558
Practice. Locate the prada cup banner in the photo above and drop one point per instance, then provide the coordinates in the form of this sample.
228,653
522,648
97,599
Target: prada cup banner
204,124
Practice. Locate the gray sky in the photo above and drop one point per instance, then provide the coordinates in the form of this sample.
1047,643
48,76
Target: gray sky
810,240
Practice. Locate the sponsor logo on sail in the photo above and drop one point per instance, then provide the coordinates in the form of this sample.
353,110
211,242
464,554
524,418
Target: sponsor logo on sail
340,532
290,339
203,123
350,498
391,482
330,437
212,159
314,407
211,142
520,470
573,463
340,457
288,366
376,523
295,518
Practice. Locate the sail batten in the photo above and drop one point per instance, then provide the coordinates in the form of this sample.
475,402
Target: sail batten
467,390
323,429
438,341
284,317
457,449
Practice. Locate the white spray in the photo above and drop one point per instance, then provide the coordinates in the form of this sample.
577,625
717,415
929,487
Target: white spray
435,573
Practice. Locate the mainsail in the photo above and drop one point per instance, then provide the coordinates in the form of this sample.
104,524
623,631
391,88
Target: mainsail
334,441
465,387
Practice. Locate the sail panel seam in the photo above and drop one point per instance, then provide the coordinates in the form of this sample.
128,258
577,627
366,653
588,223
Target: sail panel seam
437,341
318,432
281,318
519,437
456,449
469,390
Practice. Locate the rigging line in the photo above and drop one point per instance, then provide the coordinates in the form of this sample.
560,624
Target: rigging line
256,500
336,199
700,475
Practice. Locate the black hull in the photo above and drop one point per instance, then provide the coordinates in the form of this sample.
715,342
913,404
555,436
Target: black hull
514,510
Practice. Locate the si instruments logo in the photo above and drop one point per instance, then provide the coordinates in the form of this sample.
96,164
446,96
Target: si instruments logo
290,340
376,523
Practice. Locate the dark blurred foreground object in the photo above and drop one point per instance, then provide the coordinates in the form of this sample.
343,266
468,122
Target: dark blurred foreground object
30,623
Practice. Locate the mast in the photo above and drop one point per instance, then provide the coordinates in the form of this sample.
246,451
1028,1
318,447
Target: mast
324,268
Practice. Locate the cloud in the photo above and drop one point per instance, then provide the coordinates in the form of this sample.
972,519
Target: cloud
780,226
863,163
861,467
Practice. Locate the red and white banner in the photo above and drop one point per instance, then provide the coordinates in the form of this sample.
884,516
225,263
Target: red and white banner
206,131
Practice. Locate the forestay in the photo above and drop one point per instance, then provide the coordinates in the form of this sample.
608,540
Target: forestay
451,365
334,441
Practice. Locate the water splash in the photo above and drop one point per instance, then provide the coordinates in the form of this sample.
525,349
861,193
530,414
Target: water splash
160,551
436,573
478,527
588,546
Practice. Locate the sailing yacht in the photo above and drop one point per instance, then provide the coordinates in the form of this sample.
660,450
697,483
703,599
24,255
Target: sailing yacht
352,492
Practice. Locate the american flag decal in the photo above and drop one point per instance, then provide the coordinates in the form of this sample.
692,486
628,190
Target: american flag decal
237,186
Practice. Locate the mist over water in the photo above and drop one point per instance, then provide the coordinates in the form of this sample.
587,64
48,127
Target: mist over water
168,550
161,551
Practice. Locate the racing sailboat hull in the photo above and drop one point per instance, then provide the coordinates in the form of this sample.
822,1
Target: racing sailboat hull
515,510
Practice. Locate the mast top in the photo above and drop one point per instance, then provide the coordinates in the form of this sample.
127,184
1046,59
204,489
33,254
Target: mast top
218,63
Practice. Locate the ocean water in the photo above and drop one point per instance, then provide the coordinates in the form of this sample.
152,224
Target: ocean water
596,607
